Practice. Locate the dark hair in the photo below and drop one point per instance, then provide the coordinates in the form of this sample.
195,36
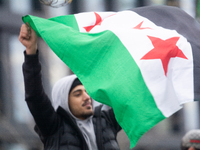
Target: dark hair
74,84
55,3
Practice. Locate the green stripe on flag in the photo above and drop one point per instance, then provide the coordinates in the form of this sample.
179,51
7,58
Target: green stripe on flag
108,72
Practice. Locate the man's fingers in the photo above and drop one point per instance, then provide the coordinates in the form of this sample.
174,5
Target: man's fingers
26,29
25,32
25,36
29,28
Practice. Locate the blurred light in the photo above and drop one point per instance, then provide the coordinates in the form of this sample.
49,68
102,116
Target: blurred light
20,6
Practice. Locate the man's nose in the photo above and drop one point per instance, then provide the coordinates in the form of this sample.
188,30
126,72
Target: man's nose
86,96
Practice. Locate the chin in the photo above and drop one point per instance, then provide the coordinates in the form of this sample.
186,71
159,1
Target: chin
88,114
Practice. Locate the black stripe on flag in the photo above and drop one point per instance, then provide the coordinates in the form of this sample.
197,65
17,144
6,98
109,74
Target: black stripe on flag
176,19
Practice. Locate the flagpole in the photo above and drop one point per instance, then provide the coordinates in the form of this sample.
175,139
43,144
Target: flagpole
190,110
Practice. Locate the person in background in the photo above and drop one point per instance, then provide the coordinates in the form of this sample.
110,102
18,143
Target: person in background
191,140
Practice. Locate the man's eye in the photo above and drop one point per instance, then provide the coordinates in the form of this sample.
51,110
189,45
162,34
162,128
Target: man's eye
78,94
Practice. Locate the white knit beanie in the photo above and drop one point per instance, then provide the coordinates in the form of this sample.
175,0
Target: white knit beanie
191,138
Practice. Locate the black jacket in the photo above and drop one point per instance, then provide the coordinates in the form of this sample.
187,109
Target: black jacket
58,130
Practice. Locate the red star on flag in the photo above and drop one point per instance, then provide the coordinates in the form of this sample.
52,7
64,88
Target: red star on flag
139,26
164,50
98,20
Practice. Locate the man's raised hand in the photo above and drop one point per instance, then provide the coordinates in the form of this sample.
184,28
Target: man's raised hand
28,38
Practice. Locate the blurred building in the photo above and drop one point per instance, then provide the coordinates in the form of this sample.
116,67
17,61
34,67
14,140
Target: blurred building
16,123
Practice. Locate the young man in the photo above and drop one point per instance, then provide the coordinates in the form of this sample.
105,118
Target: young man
191,140
70,122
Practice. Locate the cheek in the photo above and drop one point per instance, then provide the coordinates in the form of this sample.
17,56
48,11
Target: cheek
71,104
74,103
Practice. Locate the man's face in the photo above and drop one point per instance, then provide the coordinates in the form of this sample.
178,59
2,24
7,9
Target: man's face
80,103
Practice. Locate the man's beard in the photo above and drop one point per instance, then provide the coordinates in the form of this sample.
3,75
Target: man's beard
88,114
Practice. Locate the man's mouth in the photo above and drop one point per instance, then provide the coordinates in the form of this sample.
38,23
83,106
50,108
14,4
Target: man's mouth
88,104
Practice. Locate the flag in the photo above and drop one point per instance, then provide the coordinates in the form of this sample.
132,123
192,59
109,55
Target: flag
143,62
